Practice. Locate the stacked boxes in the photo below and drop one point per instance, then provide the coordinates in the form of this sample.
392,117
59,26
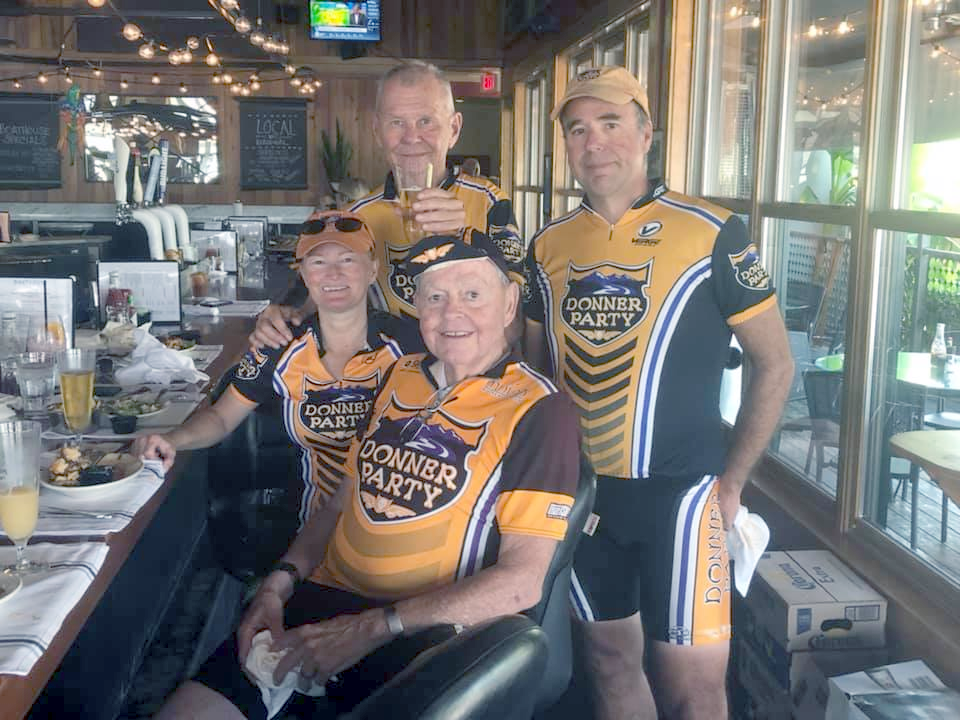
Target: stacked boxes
803,607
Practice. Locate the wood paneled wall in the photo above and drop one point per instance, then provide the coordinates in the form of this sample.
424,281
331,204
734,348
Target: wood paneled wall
458,34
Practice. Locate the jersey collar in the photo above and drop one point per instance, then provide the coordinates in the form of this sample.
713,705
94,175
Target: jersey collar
390,185
657,188
374,327
495,372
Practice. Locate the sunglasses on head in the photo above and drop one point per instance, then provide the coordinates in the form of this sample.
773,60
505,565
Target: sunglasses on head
342,224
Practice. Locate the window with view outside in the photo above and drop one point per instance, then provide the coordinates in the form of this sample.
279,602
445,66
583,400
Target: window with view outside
823,118
931,135
733,46
811,280
528,195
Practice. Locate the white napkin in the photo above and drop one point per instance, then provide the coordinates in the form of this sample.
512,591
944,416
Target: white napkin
261,663
122,503
153,362
746,542
32,616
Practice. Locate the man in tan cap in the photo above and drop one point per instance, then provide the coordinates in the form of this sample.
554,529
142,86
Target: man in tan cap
632,301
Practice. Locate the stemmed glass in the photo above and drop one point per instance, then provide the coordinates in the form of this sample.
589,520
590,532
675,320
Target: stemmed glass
46,334
77,368
19,488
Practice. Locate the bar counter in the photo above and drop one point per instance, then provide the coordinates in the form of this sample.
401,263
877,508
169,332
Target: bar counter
93,658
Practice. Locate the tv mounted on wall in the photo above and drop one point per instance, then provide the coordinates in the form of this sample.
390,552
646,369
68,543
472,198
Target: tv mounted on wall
351,21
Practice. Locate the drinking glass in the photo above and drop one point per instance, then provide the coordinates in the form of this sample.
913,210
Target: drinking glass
46,335
410,179
77,368
19,488
36,375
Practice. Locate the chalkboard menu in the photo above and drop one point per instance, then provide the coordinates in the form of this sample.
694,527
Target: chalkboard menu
29,131
273,144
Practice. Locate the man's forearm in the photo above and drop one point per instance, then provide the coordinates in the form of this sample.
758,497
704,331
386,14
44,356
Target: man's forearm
757,420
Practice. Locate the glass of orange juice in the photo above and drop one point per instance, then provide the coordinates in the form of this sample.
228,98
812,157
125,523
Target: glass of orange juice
19,488
46,334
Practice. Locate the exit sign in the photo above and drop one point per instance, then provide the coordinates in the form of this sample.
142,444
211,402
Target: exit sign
488,82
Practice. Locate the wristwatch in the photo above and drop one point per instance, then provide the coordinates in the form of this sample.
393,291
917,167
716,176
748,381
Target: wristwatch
394,623
290,569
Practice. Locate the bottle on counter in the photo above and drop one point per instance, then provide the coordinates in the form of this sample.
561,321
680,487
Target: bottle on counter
11,345
938,353
118,300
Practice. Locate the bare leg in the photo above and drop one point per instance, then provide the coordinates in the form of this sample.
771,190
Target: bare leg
614,656
690,681
193,701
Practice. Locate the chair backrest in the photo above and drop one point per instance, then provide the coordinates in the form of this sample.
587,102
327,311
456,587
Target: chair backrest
487,671
823,390
802,361
253,493
553,610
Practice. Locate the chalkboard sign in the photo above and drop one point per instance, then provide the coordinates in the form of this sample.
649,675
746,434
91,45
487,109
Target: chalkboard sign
273,144
29,131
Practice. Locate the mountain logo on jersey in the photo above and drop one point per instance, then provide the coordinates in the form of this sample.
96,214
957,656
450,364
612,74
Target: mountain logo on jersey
401,284
749,271
604,301
411,466
335,411
250,364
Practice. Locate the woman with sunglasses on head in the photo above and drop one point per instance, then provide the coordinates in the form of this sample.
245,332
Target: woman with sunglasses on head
325,377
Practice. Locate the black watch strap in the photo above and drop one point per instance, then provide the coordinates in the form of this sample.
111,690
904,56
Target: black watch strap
289,568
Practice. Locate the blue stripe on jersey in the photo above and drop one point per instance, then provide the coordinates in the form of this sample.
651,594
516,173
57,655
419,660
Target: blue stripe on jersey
695,209
542,379
693,513
363,202
579,600
477,186
478,527
654,358
546,294
281,368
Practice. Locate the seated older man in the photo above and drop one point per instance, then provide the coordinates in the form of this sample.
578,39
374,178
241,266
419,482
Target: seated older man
456,494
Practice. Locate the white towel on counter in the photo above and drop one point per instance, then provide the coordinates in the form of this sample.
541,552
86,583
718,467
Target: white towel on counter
31,617
153,362
261,662
746,542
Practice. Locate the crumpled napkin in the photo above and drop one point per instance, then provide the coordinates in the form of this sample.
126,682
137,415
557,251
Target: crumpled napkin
153,362
261,662
747,540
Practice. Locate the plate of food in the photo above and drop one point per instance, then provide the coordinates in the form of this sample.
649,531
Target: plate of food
180,341
75,470
137,406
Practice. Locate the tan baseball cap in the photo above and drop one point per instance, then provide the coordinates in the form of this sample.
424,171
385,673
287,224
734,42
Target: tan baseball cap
336,226
610,83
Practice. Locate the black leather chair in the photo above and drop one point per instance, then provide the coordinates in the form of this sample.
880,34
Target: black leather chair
254,492
553,611
488,671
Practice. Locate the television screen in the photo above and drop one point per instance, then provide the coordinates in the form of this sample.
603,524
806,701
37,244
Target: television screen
352,21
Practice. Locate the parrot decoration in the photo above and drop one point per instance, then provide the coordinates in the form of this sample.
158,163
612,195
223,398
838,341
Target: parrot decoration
74,118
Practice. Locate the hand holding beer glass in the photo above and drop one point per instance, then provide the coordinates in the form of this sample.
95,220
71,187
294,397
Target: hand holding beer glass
19,488
410,180
77,368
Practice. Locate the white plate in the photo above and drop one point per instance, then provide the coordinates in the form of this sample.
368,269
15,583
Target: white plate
9,584
166,403
128,468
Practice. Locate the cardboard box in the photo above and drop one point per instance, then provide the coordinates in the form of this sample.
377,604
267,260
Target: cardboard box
903,690
809,600
764,698
811,673
785,666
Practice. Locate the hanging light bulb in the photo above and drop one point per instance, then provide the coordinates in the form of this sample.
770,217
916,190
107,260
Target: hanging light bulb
174,57
755,22
296,82
813,30
844,27
183,87
17,84
96,3
255,85
227,78
193,42
242,25
290,69
186,56
132,32
215,79
212,59
257,37
235,89
155,79
124,84
41,78
97,72
147,51
66,76
245,91
935,52
282,47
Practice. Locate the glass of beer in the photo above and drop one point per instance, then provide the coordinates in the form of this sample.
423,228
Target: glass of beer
77,368
410,179
19,488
